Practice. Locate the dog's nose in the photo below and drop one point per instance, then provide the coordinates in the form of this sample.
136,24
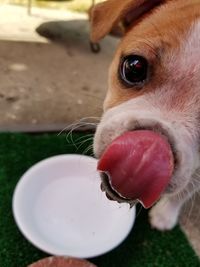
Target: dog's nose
139,165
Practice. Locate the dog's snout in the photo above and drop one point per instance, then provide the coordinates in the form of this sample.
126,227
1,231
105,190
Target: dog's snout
104,136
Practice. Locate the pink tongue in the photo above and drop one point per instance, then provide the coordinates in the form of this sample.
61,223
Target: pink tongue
140,165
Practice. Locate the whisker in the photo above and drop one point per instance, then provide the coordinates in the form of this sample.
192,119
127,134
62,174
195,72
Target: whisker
69,134
82,137
85,141
139,211
188,211
90,147
68,127
81,123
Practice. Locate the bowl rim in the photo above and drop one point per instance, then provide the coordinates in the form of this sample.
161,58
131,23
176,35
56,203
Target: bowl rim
27,235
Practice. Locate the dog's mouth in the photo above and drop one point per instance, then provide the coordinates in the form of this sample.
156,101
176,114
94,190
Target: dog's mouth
137,166
111,193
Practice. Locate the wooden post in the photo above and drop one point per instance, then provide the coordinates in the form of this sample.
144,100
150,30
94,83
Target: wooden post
29,7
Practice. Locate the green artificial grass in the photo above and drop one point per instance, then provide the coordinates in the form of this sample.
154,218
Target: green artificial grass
143,248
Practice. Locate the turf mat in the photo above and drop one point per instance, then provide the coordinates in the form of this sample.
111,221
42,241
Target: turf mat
143,248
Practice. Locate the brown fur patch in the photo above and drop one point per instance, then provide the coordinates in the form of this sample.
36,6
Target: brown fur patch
156,37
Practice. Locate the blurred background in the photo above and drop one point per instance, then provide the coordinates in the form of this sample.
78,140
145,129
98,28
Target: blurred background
50,78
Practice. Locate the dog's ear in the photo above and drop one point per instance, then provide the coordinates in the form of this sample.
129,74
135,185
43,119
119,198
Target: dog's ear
108,14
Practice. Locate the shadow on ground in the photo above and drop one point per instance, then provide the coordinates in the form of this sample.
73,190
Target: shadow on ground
69,33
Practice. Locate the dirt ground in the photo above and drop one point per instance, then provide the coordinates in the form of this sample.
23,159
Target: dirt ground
50,83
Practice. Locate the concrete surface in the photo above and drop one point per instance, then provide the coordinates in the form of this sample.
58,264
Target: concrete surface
47,85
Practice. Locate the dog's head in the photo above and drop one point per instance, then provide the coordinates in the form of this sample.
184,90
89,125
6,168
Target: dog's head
154,79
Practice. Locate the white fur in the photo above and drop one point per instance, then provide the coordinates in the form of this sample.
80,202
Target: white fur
164,214
180,119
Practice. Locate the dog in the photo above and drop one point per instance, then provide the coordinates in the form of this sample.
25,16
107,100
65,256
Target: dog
154,84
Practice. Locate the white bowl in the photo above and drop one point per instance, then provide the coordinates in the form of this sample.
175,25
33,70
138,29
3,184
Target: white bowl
59,208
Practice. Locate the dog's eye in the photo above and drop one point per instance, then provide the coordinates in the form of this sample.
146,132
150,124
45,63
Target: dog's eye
133,70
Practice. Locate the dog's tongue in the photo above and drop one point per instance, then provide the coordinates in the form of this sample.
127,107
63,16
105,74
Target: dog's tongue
139,165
